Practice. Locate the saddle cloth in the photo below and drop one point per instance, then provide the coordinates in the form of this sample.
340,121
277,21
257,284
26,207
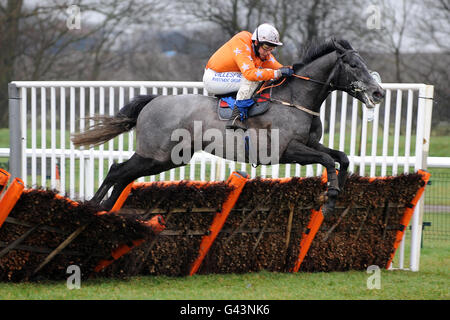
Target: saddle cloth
226,104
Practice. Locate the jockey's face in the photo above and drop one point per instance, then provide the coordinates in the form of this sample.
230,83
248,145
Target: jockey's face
265,50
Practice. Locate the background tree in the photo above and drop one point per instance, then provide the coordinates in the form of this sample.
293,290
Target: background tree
38,45
172,40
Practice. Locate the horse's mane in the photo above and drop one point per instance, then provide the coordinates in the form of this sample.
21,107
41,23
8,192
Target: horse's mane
316,49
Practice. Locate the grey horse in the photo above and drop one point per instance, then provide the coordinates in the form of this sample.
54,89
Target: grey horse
289,131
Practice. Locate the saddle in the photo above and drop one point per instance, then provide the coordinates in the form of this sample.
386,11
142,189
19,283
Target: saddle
226,103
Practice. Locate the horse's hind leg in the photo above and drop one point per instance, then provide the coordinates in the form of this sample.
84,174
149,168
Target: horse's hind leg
120,175
107,183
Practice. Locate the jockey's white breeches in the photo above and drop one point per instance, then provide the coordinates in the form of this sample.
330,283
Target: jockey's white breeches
227,82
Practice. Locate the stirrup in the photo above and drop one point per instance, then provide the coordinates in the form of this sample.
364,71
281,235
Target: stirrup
235,121
235,124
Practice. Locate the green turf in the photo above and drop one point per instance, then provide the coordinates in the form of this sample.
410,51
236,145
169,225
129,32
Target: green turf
431,282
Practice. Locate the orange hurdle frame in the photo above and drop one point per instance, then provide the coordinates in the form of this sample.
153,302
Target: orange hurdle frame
308,236
409,211
4,178
10,198
311,230
157,222
238,180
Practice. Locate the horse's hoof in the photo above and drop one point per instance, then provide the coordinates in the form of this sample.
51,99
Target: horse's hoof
330,203
96,204
104,206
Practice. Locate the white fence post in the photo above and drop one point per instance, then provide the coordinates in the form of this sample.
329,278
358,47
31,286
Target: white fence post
15,134
422,144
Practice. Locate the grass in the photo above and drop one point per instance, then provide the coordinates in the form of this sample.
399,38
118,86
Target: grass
432,282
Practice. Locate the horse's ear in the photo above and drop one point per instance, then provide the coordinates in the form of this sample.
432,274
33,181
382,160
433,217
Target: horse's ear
345,44
337,45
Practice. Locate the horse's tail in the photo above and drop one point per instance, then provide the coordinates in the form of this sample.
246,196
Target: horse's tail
108,127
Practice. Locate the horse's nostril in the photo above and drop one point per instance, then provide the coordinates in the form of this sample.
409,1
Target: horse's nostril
378,94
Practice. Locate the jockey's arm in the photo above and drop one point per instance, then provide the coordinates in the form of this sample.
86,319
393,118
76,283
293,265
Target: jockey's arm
242,57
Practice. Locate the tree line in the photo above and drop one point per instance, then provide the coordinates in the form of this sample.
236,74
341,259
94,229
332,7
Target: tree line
405,41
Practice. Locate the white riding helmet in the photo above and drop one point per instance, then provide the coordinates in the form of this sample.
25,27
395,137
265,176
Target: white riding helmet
267,33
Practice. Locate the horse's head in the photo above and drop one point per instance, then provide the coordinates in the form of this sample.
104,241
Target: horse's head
353,76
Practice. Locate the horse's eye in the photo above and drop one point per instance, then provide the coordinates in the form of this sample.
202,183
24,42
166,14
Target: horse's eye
352,65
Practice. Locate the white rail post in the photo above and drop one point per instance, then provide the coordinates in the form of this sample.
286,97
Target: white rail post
373,166
408,131
53,138
62,132
43,137
91,161
33,137
62,135
398,118
72,187
362,155
82,173
101,148
15,135
332,121
23,129
387,110
353,134
343,122
422,144
322,118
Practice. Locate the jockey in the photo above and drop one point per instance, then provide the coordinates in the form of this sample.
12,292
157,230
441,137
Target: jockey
241,64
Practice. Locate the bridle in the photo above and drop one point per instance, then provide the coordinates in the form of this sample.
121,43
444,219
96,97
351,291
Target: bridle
327,85
335,72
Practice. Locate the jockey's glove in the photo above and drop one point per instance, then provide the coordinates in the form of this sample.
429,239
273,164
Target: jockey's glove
286,71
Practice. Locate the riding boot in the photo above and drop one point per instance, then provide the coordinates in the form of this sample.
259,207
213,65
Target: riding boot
235,120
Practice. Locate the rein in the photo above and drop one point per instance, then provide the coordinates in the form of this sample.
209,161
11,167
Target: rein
325,85
263,87
289,104
316,114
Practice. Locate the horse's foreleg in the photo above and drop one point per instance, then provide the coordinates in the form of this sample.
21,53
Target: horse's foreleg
340,157
304,155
